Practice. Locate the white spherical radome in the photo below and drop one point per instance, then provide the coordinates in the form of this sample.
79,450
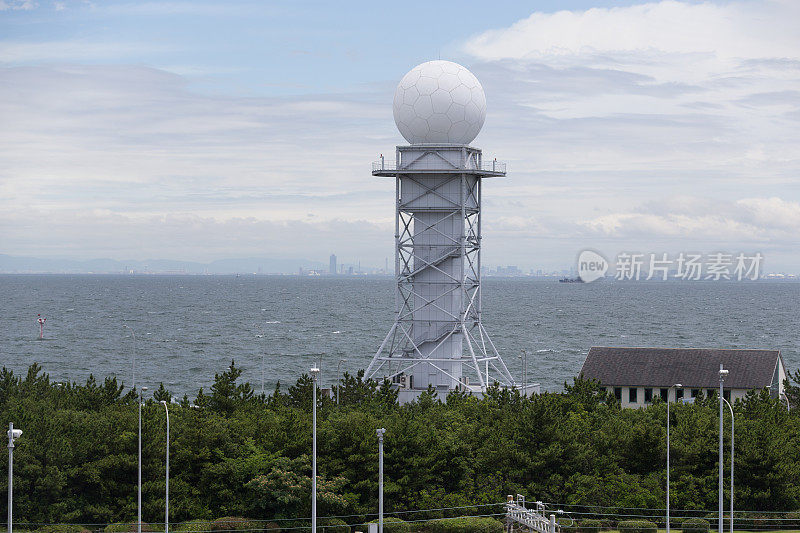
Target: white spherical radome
439,102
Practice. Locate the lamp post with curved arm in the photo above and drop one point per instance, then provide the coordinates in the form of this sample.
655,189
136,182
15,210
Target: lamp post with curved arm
166,510
139,492
732,427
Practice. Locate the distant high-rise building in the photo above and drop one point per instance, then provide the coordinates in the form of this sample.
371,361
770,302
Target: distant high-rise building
332,267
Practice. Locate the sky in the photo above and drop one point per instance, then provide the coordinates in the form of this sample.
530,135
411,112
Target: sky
199,131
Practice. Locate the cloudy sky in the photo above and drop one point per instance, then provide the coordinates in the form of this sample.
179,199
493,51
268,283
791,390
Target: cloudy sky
208,130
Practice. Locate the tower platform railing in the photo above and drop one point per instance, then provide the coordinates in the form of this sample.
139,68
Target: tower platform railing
490,166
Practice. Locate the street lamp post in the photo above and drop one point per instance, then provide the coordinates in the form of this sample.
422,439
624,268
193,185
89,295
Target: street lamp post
380,433
314,374
732,427
166,509
338,384
139,492
13,434
524,357
675,386
722,374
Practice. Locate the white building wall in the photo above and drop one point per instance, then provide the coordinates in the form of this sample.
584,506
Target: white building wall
736,394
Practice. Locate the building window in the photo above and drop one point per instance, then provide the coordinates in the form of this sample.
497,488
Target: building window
618,393
664,394
632,392
678,394
648,395
727,394
695,392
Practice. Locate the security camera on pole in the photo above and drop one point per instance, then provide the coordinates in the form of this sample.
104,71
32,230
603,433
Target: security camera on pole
314,375
380,433
722,374
13,434
675,386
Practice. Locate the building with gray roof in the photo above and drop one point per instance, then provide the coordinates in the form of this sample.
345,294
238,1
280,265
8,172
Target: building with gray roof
638,375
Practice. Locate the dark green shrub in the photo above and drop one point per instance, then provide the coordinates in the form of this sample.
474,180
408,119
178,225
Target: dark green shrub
127,527
637,526
192,526
695,525
62,528
394,525
335,525
234,523
589,525
464,524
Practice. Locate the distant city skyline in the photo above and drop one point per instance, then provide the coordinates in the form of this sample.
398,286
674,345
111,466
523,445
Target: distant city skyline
282,266
211,130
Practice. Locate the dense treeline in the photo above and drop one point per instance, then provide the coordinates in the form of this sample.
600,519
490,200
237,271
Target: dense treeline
234,452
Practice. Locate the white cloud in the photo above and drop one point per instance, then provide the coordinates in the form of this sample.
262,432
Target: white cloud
736,30
673,122
25,5
24,52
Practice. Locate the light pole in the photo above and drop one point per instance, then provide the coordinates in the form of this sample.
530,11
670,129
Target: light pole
338,384
380,433
139,492
13,434
780,394
675,386
788,408
524,357
722,374
133,334
732,427
166,510
314,374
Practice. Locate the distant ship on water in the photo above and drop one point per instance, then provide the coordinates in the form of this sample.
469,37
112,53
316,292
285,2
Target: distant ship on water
570,280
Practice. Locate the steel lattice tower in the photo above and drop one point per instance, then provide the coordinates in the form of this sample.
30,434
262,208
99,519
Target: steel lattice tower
438,333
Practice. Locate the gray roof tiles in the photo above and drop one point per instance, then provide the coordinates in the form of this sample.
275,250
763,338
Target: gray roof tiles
662,367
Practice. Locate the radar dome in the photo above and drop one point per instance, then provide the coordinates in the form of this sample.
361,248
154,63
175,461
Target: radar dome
439,102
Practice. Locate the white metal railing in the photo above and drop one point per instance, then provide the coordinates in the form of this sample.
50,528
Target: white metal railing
491,166
533,519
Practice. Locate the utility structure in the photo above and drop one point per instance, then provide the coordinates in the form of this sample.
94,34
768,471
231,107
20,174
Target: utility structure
41,322
13,434
438,338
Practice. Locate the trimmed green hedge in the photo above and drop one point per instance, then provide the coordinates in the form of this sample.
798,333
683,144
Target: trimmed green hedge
127,527
333,525
637,526
62,528
394,525
234,523
464,524
695,525
193,526
589,525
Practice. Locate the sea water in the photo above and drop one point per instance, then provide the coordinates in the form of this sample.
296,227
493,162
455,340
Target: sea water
187,328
